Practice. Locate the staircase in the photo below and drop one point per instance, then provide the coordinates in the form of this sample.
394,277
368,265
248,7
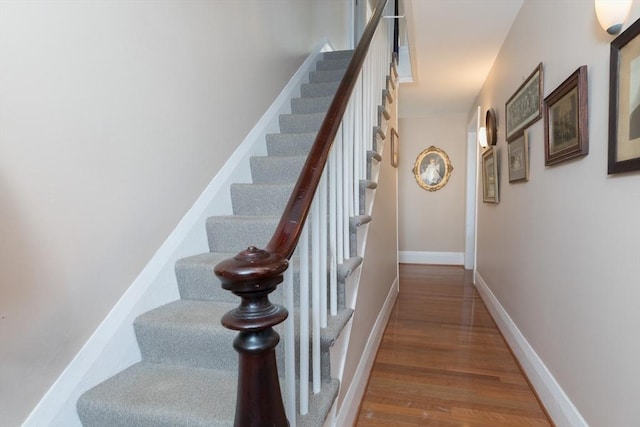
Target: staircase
188,373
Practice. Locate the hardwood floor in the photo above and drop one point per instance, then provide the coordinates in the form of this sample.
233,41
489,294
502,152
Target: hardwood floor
443,362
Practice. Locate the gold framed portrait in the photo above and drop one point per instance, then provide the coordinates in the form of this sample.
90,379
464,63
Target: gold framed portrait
432,169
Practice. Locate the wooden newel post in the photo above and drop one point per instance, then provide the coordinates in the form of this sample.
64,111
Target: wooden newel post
252,275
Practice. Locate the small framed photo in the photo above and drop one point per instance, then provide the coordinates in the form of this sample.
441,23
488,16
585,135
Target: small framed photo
525,106
624,101
566,119
394,147
519,158
432,169
490,191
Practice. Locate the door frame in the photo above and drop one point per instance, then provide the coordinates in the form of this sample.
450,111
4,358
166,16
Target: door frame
471,196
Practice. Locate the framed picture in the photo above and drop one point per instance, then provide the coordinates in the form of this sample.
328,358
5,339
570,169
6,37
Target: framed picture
519,158
566,119
525,106
432,169
490,191
394,147
624,101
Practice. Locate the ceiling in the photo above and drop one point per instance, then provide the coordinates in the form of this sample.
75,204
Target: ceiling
452,44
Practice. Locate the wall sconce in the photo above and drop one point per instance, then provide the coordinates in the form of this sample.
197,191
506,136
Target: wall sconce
488,134
612,14
482,137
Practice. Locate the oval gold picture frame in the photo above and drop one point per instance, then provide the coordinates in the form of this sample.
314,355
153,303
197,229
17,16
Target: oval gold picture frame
432,169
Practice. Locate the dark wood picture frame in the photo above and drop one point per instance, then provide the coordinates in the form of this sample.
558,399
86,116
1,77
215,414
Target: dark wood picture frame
624,110
525,106
566,119
518,158
395,141
490,185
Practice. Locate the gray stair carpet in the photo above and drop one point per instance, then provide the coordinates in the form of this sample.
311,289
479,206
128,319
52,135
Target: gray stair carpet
188,373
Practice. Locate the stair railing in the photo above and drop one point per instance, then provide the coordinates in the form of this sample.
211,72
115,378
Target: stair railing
318,222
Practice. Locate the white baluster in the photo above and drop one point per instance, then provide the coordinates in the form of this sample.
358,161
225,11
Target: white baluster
315,294
303,247
340,213
289,347
324,237
333,229
347,124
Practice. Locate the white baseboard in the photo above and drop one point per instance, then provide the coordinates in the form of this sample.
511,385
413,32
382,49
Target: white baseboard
440,258
557,403
113,345
351,404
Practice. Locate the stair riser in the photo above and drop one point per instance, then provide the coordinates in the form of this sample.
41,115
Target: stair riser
310,105
314,90
290,144
332,64
301,123
249,199
276,170
338,54
226,234
326,76
186,346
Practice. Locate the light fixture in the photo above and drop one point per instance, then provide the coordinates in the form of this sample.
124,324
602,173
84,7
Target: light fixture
482,137
612,14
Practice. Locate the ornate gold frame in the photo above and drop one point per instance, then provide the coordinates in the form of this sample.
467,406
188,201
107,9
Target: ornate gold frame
436,177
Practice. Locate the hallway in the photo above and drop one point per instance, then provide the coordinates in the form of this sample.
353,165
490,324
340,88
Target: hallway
443,362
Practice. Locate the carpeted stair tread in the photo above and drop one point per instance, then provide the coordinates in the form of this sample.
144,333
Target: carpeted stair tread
318,104
188,373
338,54
276,169
332,64
187,333
260,199
156,395
365,184
319,405
328,336
313,90
197,281
368,184
359,220
348,266
235,233
371,157
354,223
326,76
301,123
290,144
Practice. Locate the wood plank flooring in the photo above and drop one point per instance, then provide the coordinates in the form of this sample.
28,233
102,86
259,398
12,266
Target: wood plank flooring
443,362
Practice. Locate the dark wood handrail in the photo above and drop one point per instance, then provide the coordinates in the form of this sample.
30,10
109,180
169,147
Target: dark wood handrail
288,232
254,273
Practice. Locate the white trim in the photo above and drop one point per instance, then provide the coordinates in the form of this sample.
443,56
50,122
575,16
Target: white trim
348,411
156,284
440,258
470,195
405,70
558,405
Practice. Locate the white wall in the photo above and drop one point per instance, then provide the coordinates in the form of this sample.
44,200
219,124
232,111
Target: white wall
114,116
432,221
561,252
